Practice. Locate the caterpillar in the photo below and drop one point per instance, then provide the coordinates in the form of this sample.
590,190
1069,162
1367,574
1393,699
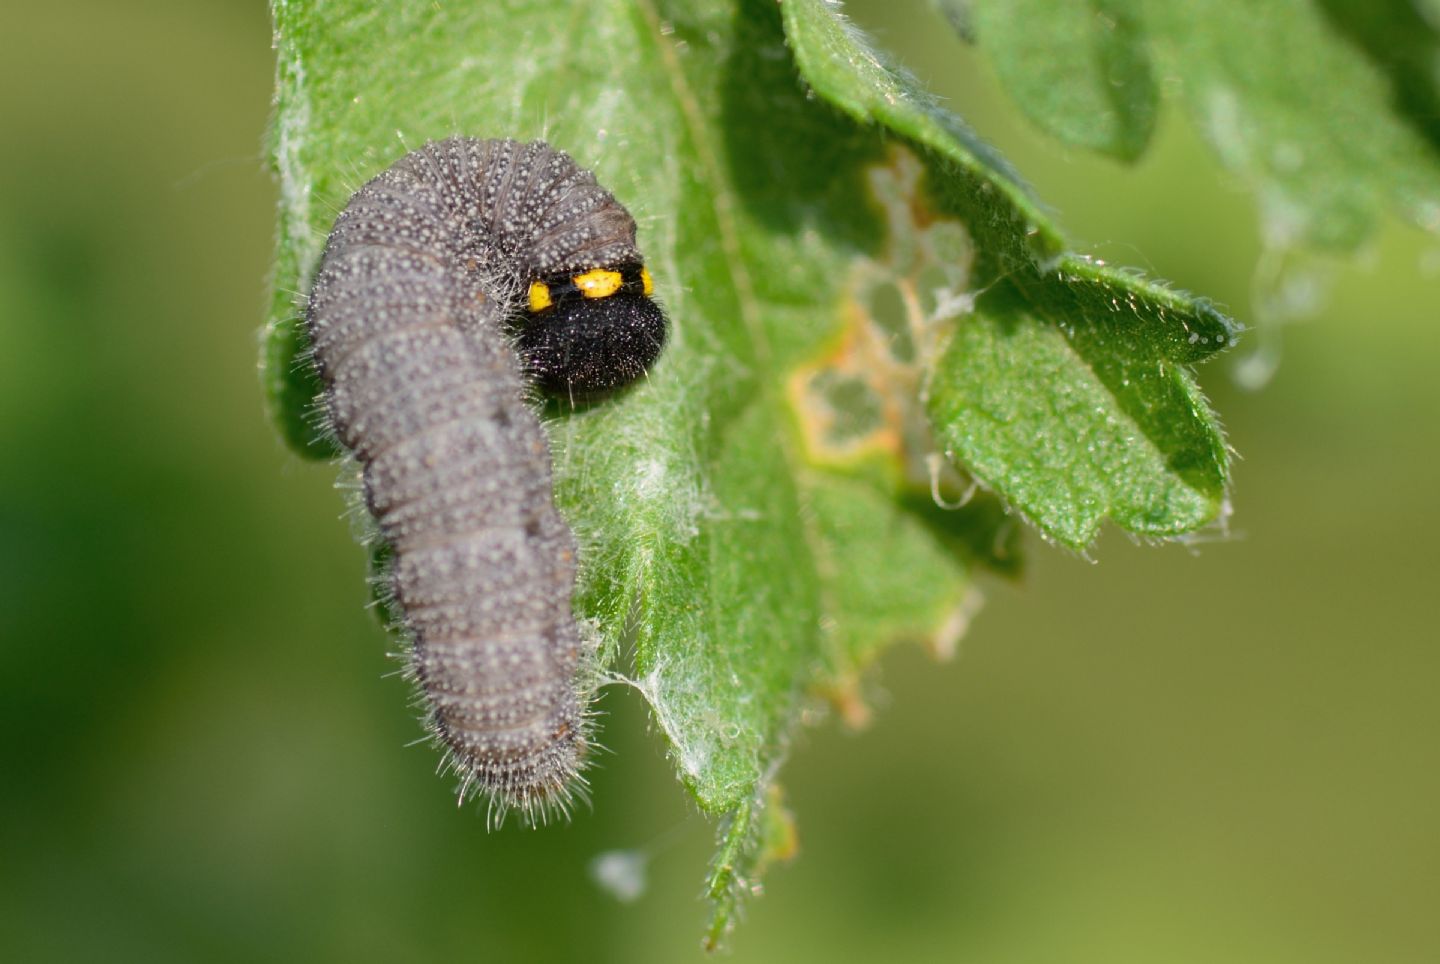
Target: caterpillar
454,284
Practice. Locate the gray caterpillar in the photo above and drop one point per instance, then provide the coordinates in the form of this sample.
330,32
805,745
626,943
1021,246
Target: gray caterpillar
451,282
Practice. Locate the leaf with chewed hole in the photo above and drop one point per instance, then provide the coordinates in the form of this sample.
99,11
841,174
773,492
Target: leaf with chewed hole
760,517
1067,391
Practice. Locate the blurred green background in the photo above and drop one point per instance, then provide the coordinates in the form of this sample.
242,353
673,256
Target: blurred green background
1220,754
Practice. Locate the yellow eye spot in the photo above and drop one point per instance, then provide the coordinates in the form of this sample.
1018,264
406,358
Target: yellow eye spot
647,284
539,296
598,283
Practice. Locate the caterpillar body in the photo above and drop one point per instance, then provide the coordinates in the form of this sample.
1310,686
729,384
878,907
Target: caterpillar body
451,283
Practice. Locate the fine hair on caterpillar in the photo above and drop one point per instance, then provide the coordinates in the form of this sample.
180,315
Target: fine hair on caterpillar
454,285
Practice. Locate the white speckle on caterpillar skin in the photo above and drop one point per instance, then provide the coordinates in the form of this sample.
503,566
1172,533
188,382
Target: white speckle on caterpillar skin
418,326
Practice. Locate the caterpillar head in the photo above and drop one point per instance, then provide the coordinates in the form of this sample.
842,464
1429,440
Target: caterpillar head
587,334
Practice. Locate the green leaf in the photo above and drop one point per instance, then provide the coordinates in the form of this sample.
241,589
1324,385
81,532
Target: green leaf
751,838
1329,109
759,518
1078,70
1078,424
1066,390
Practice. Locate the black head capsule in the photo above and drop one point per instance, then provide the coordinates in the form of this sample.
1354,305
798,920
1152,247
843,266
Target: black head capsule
585,335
